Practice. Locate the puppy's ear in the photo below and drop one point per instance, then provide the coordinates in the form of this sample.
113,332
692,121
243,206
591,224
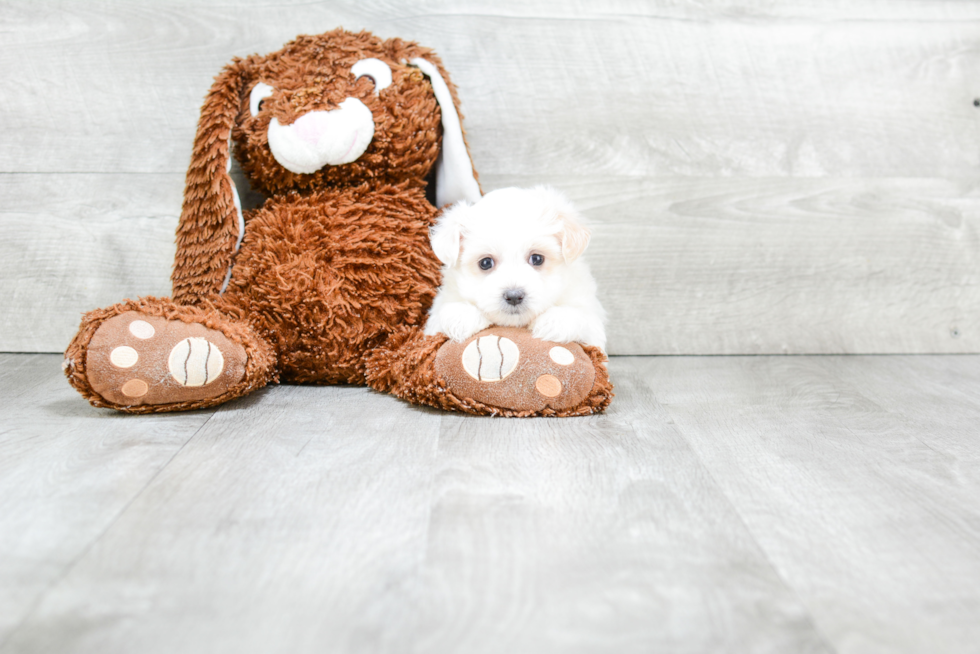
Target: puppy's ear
575,238
446,235
574,234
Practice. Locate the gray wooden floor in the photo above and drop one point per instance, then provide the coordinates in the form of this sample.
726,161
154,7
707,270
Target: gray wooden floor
737,504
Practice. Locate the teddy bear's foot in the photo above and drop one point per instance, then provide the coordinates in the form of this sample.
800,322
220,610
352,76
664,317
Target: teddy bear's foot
136,359
508,369
153,355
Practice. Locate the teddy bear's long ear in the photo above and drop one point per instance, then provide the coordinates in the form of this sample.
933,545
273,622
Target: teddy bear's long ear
455,179
211,225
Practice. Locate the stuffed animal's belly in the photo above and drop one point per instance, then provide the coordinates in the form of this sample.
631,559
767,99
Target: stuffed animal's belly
327,277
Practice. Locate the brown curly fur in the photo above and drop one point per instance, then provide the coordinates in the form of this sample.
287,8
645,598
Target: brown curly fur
335,273
310,73
359,258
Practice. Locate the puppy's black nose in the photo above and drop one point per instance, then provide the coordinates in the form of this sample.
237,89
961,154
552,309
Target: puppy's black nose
514,296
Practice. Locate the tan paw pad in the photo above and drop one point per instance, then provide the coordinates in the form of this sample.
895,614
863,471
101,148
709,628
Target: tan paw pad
135,388
124,357
548,385
490,358
195,361
141,329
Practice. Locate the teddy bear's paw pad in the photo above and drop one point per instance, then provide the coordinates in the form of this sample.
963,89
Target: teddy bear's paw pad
506,367
136,359
195,361
490,358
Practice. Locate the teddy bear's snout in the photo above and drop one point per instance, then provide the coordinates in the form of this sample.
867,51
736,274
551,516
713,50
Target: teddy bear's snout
320,138
310,127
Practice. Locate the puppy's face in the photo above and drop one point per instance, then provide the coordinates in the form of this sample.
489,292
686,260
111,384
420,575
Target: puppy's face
508,254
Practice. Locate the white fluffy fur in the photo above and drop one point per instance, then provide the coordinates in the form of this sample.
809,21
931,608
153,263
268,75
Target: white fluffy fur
510,225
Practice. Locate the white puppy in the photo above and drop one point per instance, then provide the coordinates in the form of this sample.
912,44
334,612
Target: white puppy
512,259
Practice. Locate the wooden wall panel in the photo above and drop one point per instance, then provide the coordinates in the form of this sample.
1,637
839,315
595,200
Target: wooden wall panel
684,265
789,266
77,242
763,178
116,87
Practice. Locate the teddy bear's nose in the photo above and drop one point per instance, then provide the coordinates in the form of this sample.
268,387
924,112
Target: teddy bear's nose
310,127
514,296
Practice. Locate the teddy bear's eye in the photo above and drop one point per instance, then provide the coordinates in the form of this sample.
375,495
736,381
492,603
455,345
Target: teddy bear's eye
486,263
536,260
260,92
376,69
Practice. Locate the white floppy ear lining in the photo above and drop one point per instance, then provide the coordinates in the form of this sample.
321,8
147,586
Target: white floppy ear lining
575,236
446,235
455,179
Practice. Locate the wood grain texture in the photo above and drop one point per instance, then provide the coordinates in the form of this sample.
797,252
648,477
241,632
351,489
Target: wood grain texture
865,503
633,88
602,534
685,266
74,243
311,519
785,266
764,178
292,524
67,472
941,404
744,504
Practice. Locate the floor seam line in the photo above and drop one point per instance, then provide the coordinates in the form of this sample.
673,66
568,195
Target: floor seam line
85,550
741,520
765,553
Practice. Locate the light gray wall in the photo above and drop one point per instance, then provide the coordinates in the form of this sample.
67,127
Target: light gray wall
762,177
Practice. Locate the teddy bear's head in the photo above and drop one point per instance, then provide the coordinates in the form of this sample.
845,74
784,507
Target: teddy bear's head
340,108
333,110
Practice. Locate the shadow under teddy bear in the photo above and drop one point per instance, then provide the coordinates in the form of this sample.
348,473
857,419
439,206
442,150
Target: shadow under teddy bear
330,279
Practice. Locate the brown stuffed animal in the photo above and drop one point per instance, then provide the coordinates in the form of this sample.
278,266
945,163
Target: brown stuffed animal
330,280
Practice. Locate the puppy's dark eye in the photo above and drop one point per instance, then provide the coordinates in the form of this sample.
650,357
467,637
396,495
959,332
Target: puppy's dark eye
536,259
486,263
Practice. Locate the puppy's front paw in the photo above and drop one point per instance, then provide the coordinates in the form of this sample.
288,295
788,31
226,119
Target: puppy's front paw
459,321
570,325
557,325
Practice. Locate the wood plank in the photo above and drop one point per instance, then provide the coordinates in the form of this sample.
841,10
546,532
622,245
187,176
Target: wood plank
720,95
942,406
67,471
593,535
822,278
685,266
801,266
75,243
876,529
302,518
312,519
291,523
802,89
